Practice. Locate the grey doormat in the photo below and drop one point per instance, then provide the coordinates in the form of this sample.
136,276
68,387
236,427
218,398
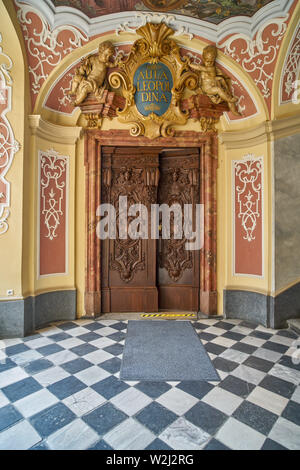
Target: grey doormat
165,351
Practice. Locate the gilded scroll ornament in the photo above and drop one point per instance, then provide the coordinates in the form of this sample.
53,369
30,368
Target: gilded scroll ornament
153,78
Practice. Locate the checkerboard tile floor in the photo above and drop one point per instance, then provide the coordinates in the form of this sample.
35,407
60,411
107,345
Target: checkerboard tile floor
60,389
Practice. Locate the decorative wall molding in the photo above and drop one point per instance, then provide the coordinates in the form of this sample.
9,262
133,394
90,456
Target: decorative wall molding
248,215
249,193
53,208
257,55
291,69
53,167
8,145
53,132
46,46
142,19
265,132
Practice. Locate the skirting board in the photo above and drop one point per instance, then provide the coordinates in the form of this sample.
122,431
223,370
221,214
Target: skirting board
257,308
20,318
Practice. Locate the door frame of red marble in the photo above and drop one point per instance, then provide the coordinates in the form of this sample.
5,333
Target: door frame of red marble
208,145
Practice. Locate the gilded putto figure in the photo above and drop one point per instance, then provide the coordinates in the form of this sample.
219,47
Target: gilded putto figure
212,80
90,76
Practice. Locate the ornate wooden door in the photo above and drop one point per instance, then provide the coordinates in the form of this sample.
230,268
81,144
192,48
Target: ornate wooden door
178,269
129,265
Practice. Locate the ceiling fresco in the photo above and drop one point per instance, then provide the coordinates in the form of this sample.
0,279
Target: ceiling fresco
212,11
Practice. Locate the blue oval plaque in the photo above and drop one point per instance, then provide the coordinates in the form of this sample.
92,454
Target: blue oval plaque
153,83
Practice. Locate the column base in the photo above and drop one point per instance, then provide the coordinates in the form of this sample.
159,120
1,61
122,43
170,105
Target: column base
208,302
92,303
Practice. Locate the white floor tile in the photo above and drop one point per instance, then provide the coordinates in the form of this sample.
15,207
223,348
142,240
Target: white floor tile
215,331
268,355
97,357
268,400
248,374
286,373
282,340
26,357
286,433
238,436
3,400
84,401
296,395
50,376
183,435
22,436
35,403
39,343
252,341
242,330
11,341
131,401
177,401
50,330
130,435
225,342
106,331
235,356
61,357
75,436
222,400
92,375
11,376
102,342
71,343
78,331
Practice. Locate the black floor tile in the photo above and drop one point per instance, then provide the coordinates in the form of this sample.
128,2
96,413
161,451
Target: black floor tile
224,364
292,413
279,386
21,389
52,419
153,389
206,417
9,416
196,389
259,364
256,417
156,417
104,418
237,386
272,445
109,387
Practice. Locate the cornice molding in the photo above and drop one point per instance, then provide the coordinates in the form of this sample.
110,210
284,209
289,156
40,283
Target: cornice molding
267,131
62,15
53,132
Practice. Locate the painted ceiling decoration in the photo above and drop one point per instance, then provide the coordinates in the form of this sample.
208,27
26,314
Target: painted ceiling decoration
212,11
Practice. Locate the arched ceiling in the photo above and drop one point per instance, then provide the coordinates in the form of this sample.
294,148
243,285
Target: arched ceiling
211,11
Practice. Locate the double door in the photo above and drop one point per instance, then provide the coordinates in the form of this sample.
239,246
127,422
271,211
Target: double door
145,263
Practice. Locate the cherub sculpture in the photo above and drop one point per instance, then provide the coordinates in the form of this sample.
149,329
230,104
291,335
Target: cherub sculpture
213,82
90,76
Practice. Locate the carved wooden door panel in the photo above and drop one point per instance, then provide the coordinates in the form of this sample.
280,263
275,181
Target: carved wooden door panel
129,265
178,269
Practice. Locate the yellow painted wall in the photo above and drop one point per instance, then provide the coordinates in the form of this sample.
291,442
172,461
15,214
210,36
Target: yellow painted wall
11,243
